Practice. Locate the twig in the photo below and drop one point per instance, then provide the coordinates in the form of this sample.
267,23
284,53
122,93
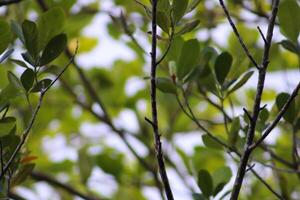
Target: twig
256,108
238,35
70,189
158,146
278,117
262,34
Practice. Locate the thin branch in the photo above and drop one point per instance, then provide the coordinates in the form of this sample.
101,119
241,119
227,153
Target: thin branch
278,117
262,34
25,134
158,146
256,108
236,32
6,3
70,189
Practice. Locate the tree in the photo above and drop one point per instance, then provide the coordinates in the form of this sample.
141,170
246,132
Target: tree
72,126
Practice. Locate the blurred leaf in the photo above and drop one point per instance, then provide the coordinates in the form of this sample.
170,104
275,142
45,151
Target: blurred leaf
210,143
234,131
53,49
197,196
5,35
27,79
222,66
28,58
188,58
290,114
179,8
19,63
22,174
6,125
188,27
85,165
205,183
220,178
289,19
17,29
166,85
13,79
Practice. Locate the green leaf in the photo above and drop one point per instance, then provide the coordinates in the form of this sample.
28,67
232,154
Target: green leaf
163,21
5,35
17,29
53,49
30,32
41,85
179,8
241,82
222,66
27,79
234,131
164,6
6,125
19,63
205,183
289,19
290,114
166,85
176,47
220,178
188,27
188,58
210,143
197,196
85,165
49,24
290,46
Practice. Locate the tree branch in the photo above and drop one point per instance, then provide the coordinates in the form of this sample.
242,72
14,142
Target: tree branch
6,3
158,146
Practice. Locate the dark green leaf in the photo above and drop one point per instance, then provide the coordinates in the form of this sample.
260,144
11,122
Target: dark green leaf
50,23
188,27
193,5
241,82
188,58
205,183
28,58
176,48
289,19
163,21
41,85
197,196
179,8
27,79
53,49
19,63
290,46
6,125
30,32
222,66
5,35
290,114
166,85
